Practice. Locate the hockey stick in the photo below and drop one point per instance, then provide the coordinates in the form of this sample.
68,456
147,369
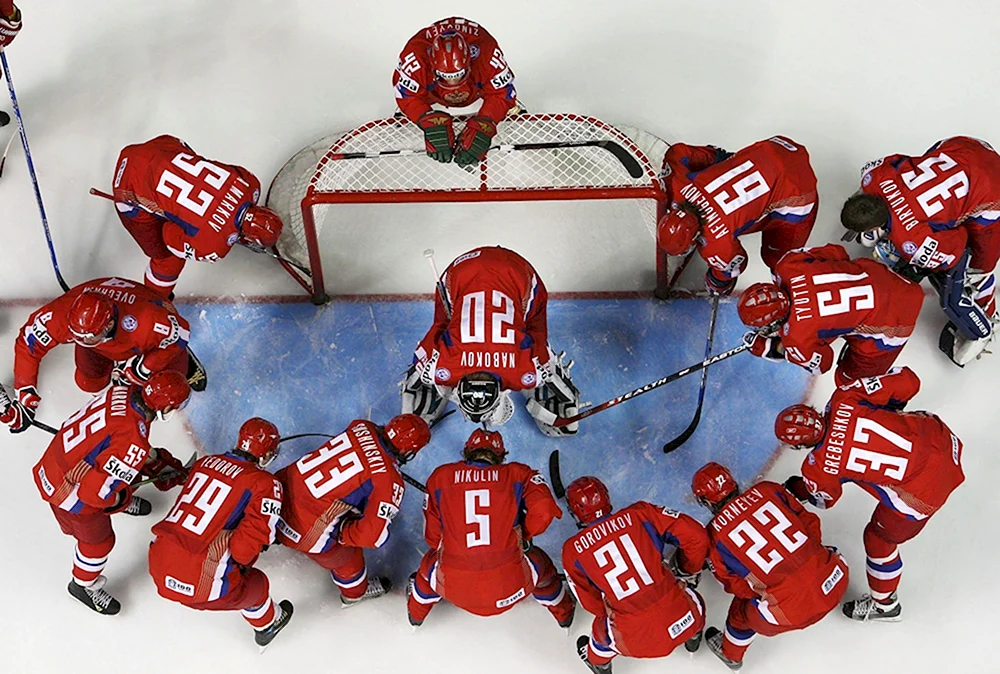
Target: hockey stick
5,403
167,473
3,159
31,171
559,422
555,477
439,282
689,431
621,154
277,256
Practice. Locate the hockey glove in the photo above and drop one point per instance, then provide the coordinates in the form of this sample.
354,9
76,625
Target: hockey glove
769,348
132,371
797,486
439,135
475,140
123,499
9,27
20,414
716,283
161,462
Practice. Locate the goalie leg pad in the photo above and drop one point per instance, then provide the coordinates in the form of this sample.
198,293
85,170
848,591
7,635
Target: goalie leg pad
957,300
555,397
421,399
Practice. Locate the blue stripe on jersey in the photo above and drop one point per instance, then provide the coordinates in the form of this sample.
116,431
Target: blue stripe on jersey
237,513
732,562
100,447
654,535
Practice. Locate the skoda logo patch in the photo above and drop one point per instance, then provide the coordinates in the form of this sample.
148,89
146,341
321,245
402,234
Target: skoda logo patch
909,247
442,374
129,323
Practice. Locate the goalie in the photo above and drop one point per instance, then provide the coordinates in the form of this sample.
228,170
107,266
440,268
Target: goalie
490,337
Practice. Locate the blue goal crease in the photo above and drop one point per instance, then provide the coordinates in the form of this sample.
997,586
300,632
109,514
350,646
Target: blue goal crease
314,370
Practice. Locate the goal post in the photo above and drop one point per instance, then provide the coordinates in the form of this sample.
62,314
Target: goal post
327,195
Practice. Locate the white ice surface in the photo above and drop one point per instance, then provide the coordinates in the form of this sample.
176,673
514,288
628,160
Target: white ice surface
252,81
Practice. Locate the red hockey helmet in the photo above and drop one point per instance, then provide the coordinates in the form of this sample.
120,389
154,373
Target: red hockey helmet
588,499
678,229
489,441
259,438
260,228
408,434
764,306
92,319
450,59
713,484
800,426
166,391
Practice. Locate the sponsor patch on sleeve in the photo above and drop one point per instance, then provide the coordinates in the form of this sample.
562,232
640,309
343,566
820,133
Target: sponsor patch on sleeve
538,478
387,511
120,470
270,507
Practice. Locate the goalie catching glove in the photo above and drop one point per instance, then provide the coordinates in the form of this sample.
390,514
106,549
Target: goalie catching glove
475,140
420,395
554,397
439,135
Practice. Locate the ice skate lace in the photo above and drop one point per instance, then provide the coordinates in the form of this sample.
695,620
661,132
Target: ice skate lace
375,589
133,507
100,598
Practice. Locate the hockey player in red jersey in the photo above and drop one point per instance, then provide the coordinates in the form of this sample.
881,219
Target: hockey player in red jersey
342,498
768,187
115,323
820,294
929,210
203,552
767,551
179,206
480,517
616,569
10,22
490,336
87,471
910,461
454,63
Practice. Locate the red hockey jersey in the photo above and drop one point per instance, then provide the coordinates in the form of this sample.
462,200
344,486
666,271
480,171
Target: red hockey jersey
769,181
224,516
834,296
489,79
497,324
200,201
615,567
347,491
148,325
478,516
910,461
932,197
766,547
98,452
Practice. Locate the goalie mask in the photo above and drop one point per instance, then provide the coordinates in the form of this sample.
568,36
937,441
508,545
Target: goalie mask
482,400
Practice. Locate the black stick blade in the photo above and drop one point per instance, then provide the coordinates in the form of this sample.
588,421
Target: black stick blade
685,436
554,476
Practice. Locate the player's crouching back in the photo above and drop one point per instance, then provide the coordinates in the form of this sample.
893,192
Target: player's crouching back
203,553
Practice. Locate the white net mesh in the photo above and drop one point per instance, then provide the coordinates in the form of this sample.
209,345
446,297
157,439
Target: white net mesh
626,171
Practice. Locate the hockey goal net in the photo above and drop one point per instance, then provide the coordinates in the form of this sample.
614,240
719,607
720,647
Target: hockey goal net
355,205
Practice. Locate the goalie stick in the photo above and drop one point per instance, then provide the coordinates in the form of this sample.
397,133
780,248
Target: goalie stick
693,426
621,154
552,420
275,254
439,282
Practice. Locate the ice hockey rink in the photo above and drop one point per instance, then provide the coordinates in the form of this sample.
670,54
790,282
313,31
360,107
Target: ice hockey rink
252,81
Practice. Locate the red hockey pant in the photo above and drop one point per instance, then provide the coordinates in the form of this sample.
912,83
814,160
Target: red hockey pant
778,237
94,541
347,568
745,621
549,589
93,371
860,359
250,596
164,267
653,634
886,530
